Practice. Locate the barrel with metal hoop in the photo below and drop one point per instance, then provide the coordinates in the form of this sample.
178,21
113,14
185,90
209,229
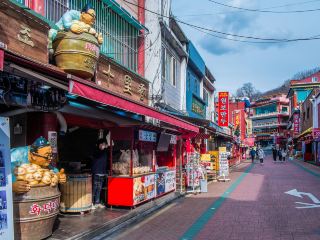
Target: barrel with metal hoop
76,54
76,194
35,212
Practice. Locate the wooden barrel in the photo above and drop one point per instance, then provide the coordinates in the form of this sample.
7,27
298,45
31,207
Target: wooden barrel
76,194
35,212
76,54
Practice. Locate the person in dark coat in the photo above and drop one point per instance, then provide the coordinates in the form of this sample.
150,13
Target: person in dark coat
274,153
99,171
252,154
280,154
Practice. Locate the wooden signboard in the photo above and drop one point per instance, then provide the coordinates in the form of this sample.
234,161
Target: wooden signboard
117,79
23,33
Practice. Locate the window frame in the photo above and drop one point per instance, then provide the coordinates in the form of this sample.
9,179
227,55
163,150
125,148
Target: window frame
169,66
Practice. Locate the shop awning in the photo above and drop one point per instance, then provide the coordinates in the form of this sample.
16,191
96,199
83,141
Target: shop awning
95,93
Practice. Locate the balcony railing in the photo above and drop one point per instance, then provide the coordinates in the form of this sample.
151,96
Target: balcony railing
270,124
269,114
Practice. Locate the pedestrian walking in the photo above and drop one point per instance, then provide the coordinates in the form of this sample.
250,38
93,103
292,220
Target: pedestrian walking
252,154
274,153
280,154
283,154
261,155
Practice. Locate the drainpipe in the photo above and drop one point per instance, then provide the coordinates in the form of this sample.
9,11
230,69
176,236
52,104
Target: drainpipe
141,47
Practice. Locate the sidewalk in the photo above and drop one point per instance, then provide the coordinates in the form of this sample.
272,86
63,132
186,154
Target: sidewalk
106,221
254,205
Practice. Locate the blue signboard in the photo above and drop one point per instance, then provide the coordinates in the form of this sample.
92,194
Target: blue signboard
6,203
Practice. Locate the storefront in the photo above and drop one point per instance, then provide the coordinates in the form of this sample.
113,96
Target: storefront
42,100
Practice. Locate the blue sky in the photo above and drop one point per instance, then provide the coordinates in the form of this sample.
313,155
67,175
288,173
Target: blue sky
265,65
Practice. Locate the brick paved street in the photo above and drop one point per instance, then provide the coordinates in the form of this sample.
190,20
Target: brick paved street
257,208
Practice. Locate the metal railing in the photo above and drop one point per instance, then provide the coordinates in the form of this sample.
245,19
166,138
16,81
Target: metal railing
120,37
269,114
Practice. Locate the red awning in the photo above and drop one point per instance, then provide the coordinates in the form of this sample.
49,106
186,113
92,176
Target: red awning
99,95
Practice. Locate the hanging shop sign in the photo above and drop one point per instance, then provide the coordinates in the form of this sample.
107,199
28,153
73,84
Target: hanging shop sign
316,133
147,136
173,139
223,109
249,127
296,123
117,79
6,203
23,33
198,107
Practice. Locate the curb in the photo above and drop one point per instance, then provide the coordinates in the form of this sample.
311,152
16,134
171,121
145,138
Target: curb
135,215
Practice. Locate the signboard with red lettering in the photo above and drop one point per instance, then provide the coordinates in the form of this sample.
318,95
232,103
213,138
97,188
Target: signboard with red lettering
296,123
223,109
316,133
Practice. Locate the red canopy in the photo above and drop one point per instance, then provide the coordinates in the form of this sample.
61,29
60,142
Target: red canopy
99,95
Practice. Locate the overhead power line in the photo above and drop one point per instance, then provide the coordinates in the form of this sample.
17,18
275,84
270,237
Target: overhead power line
263,11
273,7
269,40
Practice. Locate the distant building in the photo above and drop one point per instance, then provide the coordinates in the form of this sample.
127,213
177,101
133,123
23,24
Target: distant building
298,92
269,120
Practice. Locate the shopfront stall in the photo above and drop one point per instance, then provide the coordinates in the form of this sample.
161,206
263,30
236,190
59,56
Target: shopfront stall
143,168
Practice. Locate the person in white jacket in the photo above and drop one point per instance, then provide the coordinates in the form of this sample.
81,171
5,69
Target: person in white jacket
260,155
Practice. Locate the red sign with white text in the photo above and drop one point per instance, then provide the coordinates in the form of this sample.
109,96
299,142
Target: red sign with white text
223,109
296,123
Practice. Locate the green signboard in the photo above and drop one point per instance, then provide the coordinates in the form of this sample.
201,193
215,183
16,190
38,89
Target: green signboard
198,107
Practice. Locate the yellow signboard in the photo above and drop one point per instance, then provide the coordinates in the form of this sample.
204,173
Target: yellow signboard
222,149
206,157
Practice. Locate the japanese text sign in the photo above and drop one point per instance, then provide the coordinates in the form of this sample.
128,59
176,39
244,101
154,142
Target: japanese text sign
223,109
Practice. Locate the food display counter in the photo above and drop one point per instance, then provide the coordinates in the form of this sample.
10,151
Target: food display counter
143,169
130,191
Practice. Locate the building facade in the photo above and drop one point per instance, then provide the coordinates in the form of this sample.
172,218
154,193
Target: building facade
165,58
269,120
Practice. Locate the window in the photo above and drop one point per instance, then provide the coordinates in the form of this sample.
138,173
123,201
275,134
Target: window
188,81
169,67
120,37
308,112
173,71
205,96
196,86
163,60
284,109
314,79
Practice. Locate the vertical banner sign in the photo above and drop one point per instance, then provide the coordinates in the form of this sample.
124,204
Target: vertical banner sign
6,203
296,123
223,109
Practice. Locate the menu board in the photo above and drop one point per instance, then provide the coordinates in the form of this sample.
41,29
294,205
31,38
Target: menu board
6,203
223,164
143,188
170,181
